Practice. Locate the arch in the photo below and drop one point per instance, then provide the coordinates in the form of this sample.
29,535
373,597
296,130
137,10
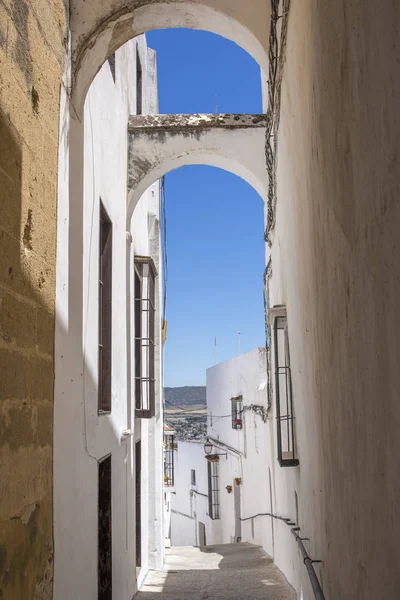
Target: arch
164,143
98,30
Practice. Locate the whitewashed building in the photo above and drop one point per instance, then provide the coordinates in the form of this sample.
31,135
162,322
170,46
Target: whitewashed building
108,506
215,493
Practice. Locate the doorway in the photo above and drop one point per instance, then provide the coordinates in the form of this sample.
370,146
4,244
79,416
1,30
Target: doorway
104,530
138,486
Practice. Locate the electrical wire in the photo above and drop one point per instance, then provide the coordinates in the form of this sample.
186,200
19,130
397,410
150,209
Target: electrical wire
218,417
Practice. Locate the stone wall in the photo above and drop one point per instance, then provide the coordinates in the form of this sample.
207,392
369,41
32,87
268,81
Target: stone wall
32,51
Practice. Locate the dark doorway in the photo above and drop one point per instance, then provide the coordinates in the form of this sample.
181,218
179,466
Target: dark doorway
138,478
104,531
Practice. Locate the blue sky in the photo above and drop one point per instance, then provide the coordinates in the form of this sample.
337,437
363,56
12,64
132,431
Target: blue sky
214,218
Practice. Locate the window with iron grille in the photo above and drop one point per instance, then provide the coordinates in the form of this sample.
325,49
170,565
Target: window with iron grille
145,275
139,84
287,455
169,447
192,477
213,489
105,311
237,412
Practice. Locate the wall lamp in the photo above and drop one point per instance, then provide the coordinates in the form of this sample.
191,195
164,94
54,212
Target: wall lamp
208,450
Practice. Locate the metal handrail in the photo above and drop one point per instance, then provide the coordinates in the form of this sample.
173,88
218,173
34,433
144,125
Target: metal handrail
315,584
307,560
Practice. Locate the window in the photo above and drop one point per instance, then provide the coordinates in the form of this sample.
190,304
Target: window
193,477
105,312
213,489
139,84
111,62
169,447
284,404
237,412
145,274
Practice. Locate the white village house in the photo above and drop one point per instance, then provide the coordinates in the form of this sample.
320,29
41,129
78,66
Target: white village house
108,434
214,482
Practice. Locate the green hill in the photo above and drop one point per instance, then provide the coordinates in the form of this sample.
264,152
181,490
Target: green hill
185,396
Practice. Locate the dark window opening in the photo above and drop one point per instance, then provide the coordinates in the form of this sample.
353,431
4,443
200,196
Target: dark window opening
139,84
145,274
193,477
237,412
138,507
284,402
104,530
111,62
213,489
105,312
169,447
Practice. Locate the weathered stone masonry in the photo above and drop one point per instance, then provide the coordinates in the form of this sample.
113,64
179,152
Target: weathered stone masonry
32,52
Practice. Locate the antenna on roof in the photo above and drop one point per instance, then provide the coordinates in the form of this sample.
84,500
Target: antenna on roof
216,104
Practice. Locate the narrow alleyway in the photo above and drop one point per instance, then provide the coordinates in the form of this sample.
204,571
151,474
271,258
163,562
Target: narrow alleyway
229,571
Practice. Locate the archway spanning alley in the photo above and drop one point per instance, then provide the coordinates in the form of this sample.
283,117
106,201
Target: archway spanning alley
98,30
161,143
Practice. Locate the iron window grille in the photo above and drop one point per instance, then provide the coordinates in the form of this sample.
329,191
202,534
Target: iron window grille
213,489
105,312
287,454
169,472
145,276
237,412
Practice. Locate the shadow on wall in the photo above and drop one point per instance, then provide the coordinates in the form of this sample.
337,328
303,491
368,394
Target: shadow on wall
27,365
232,571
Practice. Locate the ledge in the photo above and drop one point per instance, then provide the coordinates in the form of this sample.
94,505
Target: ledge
177,123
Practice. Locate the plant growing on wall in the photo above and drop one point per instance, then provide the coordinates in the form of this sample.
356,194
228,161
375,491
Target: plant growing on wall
238,480
229,489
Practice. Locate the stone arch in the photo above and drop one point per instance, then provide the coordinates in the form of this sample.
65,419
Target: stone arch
98,29
160,144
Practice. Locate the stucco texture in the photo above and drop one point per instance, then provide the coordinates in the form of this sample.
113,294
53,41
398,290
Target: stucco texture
32,49
335,258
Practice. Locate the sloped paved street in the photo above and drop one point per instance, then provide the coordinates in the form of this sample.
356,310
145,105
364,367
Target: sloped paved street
229,571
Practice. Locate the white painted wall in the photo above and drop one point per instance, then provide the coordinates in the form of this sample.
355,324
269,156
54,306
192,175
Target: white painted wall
189,504
98,169
246,376
248,457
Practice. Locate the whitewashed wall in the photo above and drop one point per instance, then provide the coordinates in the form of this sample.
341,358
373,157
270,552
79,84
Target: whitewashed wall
248,456
246,376
98,146
189,504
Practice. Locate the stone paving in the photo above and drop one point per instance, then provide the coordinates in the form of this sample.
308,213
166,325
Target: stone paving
229,571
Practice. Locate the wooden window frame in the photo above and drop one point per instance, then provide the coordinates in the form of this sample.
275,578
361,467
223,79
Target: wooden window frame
169,463
213,489
285,418
237,412
105,312
145,341
139,84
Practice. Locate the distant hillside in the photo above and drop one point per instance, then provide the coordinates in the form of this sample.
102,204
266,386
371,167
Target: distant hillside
185,396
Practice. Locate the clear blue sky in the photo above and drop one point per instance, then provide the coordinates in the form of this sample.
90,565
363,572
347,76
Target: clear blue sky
214,218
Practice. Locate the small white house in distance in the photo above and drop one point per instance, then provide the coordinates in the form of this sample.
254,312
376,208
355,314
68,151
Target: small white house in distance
190,524
219,483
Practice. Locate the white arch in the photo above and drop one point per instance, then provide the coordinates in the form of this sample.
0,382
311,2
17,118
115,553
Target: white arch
153,152
98,30
217,161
